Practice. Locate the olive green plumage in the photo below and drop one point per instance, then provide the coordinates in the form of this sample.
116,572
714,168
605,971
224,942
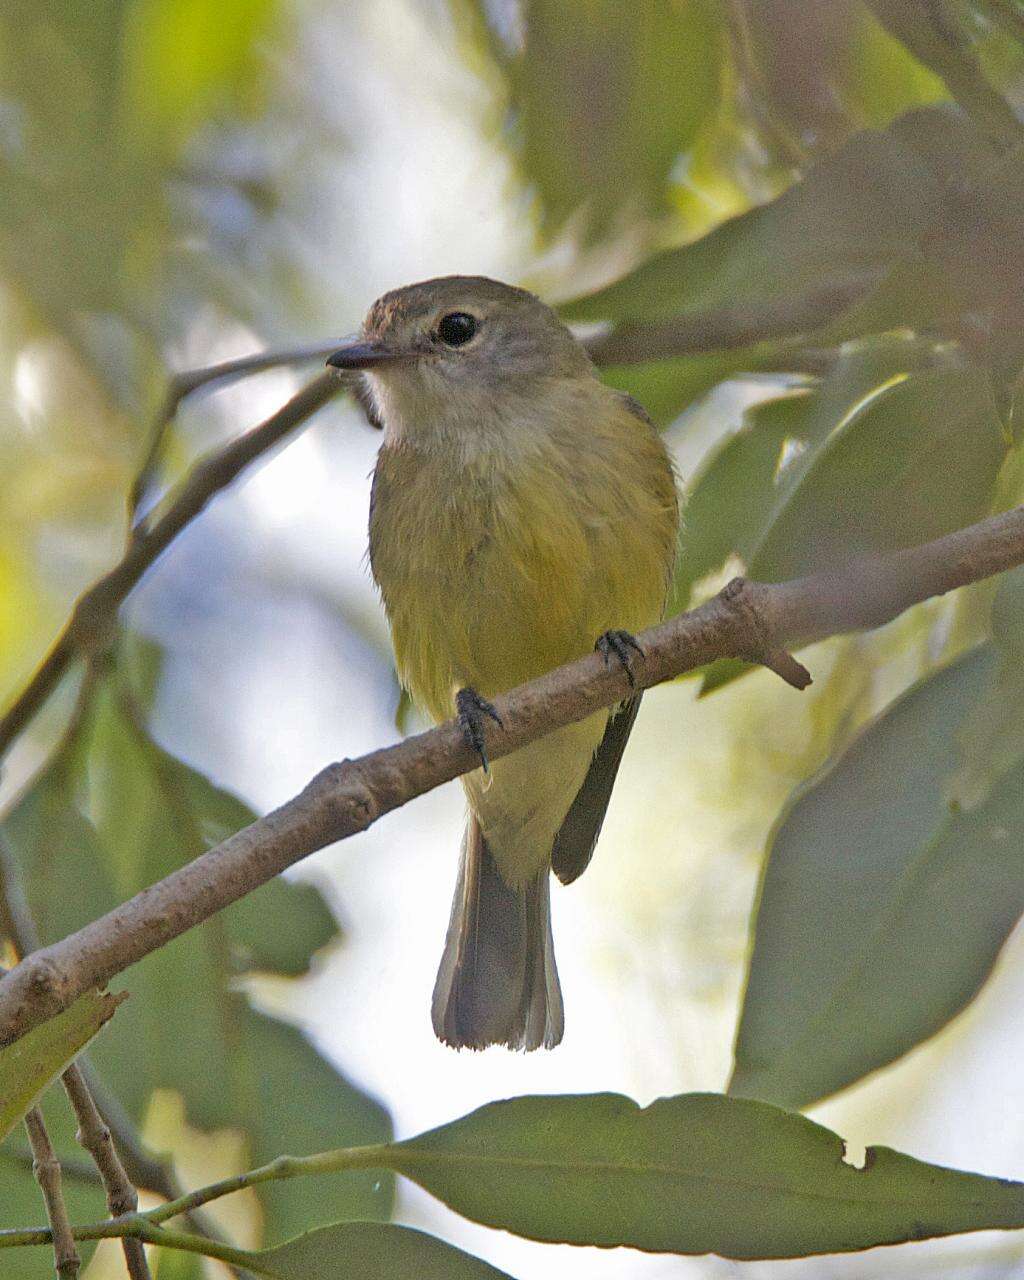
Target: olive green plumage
520,509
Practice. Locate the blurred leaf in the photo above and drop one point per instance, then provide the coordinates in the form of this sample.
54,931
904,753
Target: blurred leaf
818,71
32,1063
885,901
700,1173
369,1251
182,58
666,387
125,813
100,100
172,1264
860,463
862,209
932,31
881,78
915,460
606,98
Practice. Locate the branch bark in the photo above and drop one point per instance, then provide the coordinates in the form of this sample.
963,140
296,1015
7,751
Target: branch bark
758,622
46,1167
89,627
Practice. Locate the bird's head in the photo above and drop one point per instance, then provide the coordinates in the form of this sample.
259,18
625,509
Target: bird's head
445,351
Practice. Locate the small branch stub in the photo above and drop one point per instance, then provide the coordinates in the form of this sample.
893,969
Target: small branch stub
740,595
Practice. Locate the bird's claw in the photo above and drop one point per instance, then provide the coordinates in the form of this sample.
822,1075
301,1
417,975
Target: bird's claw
622,646
471,709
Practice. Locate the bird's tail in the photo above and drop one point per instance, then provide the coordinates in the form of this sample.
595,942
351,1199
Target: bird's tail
497,983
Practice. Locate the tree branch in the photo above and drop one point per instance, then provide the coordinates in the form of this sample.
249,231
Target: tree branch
89,627
93,1133
185,384
758,622
46,1167
95,1137
120,1166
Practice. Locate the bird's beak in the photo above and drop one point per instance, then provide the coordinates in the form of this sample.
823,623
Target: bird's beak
364,355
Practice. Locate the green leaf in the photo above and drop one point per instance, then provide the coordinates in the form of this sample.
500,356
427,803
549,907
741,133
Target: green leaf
183,59
916,459
369,1251
124,813
881,78
859,463
885,899
32,1063
666,387
606,100
173,1264
861,210
700,1173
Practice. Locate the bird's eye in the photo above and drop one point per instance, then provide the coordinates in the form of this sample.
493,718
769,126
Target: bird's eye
456,328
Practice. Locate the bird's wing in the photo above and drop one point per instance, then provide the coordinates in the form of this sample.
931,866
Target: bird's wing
577,836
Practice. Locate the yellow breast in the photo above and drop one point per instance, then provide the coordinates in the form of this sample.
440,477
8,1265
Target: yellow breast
498,564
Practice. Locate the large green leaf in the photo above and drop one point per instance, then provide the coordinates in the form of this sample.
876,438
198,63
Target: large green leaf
885,899
887,451
862,209
606,97
369,1251
32,1063
701,1173
123,813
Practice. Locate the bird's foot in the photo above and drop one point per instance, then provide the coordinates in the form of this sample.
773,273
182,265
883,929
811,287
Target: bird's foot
622,646
470,710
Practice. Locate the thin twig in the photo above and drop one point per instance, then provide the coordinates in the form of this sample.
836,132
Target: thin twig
281,1169
97,1111
190,381
748,620
92,620
95,1137
46,1167
93,1133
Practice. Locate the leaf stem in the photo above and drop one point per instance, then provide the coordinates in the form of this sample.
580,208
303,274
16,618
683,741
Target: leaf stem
277,1170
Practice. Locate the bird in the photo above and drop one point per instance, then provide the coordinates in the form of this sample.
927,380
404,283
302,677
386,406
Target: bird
522,513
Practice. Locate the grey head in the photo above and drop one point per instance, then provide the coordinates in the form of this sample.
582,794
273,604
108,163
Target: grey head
440,345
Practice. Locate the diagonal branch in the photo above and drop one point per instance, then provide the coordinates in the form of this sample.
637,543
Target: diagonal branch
749,620
94,615
185,384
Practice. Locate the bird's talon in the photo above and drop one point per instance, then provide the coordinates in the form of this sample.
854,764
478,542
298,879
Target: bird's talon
470,709
623,646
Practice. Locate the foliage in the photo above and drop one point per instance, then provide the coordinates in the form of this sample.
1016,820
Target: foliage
32,1063
739,160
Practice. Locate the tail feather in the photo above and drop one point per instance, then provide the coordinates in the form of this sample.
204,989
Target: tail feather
497,983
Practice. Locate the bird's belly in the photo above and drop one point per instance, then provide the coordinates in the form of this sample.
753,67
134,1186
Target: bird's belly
491,587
